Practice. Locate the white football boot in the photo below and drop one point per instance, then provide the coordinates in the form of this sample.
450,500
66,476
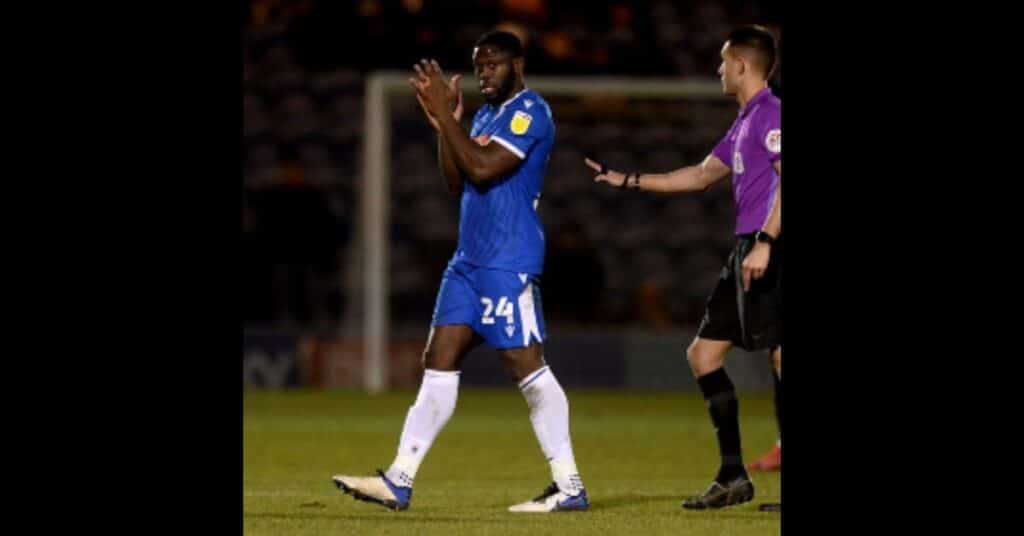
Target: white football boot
554,500
375,489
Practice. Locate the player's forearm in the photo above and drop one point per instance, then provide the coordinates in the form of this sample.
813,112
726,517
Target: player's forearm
687,179
452,175
467,155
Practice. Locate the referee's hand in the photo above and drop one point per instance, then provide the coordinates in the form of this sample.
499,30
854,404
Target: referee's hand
604,174
755,263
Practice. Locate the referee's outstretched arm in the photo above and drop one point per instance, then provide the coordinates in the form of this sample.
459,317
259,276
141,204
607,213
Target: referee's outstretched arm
688,179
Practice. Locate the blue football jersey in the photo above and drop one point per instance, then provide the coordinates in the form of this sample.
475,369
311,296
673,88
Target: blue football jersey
498,222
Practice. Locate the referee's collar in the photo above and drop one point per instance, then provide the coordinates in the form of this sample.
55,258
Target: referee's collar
758,97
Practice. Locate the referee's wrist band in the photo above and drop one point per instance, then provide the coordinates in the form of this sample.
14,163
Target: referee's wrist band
762,236
636,181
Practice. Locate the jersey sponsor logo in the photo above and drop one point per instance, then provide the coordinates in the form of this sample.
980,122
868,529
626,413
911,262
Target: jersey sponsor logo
773,141
520,122
737,162
482,139
510,330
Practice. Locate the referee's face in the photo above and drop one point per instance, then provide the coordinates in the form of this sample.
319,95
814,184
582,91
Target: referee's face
729,70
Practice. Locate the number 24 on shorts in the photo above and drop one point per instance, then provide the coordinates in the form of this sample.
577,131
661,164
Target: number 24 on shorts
504,309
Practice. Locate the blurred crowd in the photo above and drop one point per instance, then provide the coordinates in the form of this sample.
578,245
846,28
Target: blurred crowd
593,37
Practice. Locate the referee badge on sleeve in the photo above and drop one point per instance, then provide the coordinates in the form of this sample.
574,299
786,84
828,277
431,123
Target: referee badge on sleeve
773,141
520,122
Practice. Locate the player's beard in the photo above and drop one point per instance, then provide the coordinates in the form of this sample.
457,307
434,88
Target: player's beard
504,91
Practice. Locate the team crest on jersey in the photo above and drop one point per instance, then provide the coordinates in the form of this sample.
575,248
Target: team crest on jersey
520,122
773,141
737,162
482,139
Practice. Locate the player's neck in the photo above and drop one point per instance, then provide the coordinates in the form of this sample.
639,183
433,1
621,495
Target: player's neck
517,87
746,93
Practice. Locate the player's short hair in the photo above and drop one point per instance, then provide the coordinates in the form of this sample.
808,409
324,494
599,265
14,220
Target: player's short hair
503,41
760,41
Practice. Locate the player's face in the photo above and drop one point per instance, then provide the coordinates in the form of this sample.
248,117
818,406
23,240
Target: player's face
495,73
729,70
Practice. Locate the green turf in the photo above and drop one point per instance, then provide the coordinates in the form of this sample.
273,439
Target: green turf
639,455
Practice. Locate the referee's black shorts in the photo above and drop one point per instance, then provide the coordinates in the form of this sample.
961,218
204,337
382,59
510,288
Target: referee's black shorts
752,320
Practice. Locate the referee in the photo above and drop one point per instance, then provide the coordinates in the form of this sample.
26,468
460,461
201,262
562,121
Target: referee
745,307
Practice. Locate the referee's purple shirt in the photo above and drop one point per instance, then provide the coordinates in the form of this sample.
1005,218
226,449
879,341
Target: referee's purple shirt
750,147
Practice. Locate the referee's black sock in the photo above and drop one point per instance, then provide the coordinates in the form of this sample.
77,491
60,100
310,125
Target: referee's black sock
724,409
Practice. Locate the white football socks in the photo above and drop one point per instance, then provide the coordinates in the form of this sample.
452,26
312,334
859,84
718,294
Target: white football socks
549,413
434,405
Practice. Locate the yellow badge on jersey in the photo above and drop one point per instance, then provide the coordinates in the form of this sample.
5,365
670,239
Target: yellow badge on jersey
520,122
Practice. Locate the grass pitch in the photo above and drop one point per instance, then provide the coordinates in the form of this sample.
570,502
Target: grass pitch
639,454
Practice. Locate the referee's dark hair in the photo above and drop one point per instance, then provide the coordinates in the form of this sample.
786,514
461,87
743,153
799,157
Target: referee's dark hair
503,41
759,41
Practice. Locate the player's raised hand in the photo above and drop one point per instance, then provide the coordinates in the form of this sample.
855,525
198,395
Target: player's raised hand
420,82
432,119
604,174
454,93
431,87
455,97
